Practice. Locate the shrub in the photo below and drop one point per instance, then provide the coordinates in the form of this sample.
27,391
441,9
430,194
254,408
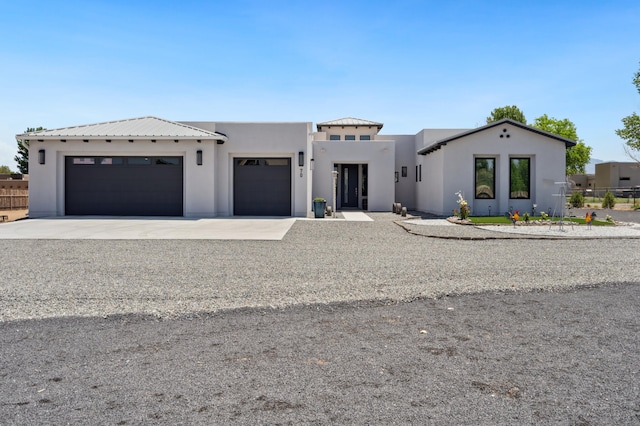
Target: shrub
576,200
608,201
525,217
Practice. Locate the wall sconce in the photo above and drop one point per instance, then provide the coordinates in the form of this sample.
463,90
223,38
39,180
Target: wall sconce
41,156
301,161
199,157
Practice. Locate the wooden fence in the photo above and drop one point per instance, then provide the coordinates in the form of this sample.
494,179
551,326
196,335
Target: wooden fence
14,202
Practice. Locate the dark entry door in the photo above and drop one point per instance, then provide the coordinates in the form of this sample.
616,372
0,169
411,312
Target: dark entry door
262,187
349,175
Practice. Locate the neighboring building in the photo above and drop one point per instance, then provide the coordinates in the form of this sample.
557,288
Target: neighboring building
14,182
617,175
582,182
150,166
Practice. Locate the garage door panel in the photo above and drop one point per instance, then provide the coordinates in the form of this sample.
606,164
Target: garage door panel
262,186
124,188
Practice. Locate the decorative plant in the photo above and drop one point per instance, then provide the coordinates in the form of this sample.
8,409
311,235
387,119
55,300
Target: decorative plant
608,201
544,215
576,200
525,217
609,219
465,210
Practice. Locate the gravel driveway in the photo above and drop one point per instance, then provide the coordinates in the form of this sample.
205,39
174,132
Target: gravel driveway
362,331
317,262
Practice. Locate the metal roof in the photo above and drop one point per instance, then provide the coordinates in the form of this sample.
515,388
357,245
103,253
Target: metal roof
350,121
143,127
442,142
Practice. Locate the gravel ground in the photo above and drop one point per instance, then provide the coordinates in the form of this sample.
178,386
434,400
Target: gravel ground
317,262
351,324
506,358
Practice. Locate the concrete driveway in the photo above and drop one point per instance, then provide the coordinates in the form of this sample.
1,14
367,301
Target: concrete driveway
147,228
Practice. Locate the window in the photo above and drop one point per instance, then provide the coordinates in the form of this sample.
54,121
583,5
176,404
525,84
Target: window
85,160
110,161
365,137
174,161
404,171
420,173
365,172
519,182
276,162
485,178
248,162
138,161
350,137
334,137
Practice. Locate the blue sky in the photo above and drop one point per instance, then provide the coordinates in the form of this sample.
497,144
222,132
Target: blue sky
408,64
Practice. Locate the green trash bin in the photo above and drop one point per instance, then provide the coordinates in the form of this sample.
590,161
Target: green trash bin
319,206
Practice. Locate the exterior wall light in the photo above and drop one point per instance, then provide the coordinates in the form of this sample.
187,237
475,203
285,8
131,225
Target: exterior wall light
301,161
41,156
199,157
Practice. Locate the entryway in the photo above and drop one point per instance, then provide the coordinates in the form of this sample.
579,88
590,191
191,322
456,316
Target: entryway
352,186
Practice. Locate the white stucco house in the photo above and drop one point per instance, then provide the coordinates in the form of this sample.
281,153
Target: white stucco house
154,167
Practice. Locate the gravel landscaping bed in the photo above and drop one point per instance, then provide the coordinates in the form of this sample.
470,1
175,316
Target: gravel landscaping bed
317,262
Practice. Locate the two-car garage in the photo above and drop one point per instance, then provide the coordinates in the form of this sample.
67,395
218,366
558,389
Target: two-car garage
123,186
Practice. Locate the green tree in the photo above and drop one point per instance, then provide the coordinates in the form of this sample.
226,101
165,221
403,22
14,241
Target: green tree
631,131
5,170
578,156
23,152
509,111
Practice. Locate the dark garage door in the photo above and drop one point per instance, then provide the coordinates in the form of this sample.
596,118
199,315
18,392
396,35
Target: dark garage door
123,186
262,187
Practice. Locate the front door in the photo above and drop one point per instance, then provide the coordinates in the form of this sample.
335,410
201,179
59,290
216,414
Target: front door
349,188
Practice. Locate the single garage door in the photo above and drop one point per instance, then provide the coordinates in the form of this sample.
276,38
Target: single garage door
123,186
262,187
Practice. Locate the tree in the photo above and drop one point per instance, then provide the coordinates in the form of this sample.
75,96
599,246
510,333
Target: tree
578,156
23,152
5,170
631,131
512,112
